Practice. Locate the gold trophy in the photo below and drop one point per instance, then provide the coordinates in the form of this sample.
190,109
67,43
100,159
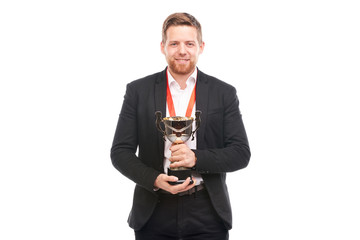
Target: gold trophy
178,130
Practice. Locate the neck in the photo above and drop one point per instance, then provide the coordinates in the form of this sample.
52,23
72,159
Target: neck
181,78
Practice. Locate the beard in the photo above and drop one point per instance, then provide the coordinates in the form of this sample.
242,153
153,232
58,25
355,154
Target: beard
182,68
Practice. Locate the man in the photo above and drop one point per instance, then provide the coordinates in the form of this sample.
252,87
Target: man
198,210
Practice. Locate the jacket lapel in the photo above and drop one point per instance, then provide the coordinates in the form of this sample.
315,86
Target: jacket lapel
202,88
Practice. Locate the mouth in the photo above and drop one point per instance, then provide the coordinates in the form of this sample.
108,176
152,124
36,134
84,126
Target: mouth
181,60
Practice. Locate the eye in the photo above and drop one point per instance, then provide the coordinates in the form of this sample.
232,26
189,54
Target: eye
190,44
173,44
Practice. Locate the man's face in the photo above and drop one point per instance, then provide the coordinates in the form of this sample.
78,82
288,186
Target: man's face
182,49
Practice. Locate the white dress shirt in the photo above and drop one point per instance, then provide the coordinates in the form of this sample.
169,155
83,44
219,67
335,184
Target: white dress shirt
181,98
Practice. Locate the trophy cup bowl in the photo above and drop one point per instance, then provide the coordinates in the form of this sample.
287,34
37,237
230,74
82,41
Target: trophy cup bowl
178,130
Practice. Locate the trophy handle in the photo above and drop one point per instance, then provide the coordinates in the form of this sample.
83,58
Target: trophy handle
197,123
158,121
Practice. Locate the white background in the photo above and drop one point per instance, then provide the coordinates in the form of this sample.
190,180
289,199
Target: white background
64,66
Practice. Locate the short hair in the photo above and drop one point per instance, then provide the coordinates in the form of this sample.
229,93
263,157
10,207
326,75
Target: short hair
180,19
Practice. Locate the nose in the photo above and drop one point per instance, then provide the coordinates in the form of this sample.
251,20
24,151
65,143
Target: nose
182,48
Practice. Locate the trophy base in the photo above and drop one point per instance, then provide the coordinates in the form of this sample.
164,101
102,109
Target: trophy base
182,174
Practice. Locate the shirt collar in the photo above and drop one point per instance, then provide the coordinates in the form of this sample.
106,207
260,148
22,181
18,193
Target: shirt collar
192,77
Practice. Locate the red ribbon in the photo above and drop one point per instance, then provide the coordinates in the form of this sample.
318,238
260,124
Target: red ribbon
170,102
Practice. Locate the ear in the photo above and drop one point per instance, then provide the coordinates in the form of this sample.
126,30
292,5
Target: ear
162,48
202,46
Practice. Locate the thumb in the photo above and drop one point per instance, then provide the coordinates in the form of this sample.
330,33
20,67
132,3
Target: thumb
171,178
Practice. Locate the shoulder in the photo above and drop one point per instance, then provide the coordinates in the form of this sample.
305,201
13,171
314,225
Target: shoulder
215,83
147,81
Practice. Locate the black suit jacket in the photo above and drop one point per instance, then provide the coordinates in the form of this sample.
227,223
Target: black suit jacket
222,144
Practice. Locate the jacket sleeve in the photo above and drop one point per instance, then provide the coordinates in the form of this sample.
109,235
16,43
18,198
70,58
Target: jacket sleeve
233,153
125,143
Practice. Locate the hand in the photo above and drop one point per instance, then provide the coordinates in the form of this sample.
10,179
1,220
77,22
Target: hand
162,181
182,156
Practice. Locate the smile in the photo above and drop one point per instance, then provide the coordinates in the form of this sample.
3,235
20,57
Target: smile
182,61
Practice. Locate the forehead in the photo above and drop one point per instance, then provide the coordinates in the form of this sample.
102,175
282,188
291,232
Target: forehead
181,33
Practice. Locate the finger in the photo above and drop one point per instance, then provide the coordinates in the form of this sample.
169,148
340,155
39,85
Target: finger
174,189
178,153
174,158
177,159
187,185
180,163
190,186
170,178
184,185
177,164
176,147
